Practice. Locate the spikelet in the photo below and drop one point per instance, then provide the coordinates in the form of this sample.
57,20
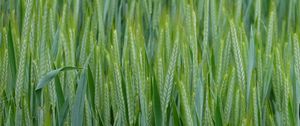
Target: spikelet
87,113
69,76
205,32
227,54
285,105
296,52
84,42
220,64
63,18
142,91
169,77
258,13
259,75
118,81
92,49
279,80
149,114
185,105
133,55
195,56
23,52
106,104
236,111
4,70
51,85
237,55
101,37
130,94
255,106
42,52
43,59
213,22
112,96
25,31
207,119
160,77
52,23
229,99
129,86
98,79
188,21
4,60
243,113
29,4
238,10
168,38
33,34
270,37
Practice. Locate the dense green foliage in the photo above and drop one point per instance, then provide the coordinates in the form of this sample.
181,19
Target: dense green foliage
149,62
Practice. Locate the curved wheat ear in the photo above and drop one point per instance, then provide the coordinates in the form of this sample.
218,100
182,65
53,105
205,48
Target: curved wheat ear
188,120
21,68
118,81
237,55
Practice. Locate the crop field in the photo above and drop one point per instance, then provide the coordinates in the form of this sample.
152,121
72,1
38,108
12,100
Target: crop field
149,62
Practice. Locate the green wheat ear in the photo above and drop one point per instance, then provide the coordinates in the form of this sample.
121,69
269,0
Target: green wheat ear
166,94
149,62
237,55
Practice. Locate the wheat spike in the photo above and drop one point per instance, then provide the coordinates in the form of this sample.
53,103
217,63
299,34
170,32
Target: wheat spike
185,105
237,55
118,81
20,73
169,77
230,93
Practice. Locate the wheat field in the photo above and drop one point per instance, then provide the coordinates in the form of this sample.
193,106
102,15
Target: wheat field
149,62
